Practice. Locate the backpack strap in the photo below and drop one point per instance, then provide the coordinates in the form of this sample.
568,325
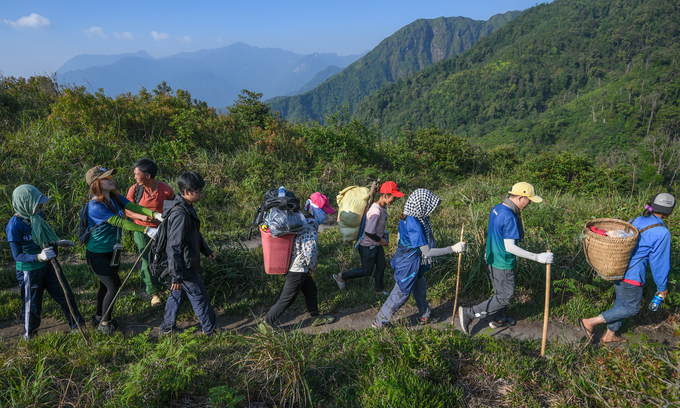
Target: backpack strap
139,193
651,226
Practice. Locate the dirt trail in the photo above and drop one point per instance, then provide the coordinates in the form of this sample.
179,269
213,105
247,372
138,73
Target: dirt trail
562,332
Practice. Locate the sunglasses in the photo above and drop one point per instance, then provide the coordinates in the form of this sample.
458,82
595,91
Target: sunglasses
106,178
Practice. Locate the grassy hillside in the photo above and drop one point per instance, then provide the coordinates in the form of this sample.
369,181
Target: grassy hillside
409,50
50,136
578,75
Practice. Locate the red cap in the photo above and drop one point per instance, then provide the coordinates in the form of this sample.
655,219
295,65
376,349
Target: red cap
322,202
390,187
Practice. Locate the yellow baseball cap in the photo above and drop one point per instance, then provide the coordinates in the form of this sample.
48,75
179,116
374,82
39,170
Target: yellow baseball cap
527,190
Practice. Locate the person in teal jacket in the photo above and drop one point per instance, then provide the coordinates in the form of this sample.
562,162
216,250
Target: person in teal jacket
654,250
106,219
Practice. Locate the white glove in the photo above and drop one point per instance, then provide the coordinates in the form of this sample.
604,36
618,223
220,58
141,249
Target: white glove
158,216
459,247
46,254
65,243
151,232
545,257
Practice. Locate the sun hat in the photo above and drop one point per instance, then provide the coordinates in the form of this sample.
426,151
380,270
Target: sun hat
98,173
527,190
321,201
390,187
663,203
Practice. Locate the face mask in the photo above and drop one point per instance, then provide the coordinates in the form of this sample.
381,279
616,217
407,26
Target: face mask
319,215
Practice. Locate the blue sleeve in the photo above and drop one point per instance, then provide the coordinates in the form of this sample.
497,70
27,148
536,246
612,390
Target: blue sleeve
99,213
660,261
509,226
14,231
123,200
19,255
415,232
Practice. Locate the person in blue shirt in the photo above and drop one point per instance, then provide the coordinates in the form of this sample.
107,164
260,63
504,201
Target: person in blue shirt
654,250
26,231
505,229
106,219
415,255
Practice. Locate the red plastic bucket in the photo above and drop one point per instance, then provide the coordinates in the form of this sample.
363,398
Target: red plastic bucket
277,252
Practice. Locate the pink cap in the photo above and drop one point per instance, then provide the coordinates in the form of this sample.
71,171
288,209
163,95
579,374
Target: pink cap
322,202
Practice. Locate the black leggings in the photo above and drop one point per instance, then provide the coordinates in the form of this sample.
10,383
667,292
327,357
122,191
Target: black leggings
296,282
109,281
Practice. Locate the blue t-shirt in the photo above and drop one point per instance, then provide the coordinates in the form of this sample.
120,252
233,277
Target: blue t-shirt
653,249
411,233
104,236
503,224
18,231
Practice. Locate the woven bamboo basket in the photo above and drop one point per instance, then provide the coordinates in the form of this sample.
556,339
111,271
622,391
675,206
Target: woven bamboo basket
609,256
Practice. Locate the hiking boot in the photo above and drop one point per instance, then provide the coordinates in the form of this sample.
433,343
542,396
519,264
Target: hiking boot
156,300
166,331
428,320
507,322
322,319
465,320
107,328
341,285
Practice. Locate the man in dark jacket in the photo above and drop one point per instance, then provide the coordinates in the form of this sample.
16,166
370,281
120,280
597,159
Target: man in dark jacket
184,247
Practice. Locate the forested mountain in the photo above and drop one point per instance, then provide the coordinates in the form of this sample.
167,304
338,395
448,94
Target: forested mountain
409,50
577,75
215,76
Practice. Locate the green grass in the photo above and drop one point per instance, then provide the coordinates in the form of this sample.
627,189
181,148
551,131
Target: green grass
389,368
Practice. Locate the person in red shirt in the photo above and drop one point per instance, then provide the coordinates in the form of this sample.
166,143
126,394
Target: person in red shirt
150,193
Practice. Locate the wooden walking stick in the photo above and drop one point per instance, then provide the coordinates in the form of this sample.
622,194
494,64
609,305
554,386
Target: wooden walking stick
547,308
58,271
460,257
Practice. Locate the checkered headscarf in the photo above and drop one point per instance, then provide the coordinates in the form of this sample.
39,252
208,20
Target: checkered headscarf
420,205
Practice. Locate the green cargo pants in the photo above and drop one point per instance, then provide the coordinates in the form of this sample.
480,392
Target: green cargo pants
153,286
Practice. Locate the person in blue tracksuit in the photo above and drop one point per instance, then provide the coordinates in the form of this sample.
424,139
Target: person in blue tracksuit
26,231
654,250
414,256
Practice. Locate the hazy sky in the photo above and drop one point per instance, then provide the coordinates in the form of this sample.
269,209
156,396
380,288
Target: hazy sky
39,36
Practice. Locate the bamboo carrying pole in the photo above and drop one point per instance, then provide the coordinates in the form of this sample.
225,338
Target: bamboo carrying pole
58,271
460,257
547,308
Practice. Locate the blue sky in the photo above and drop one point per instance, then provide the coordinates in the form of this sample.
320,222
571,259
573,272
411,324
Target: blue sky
39,36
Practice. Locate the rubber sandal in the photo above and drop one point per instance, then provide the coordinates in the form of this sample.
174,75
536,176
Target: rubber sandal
617,340
589,334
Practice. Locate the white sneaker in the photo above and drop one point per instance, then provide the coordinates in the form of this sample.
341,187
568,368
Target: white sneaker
341,285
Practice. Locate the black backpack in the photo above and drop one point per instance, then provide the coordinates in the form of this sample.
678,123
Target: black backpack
158,257
84,231
272,200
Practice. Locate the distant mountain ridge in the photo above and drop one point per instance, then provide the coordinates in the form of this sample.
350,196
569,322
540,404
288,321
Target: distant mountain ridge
583,76
215,76
409,50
